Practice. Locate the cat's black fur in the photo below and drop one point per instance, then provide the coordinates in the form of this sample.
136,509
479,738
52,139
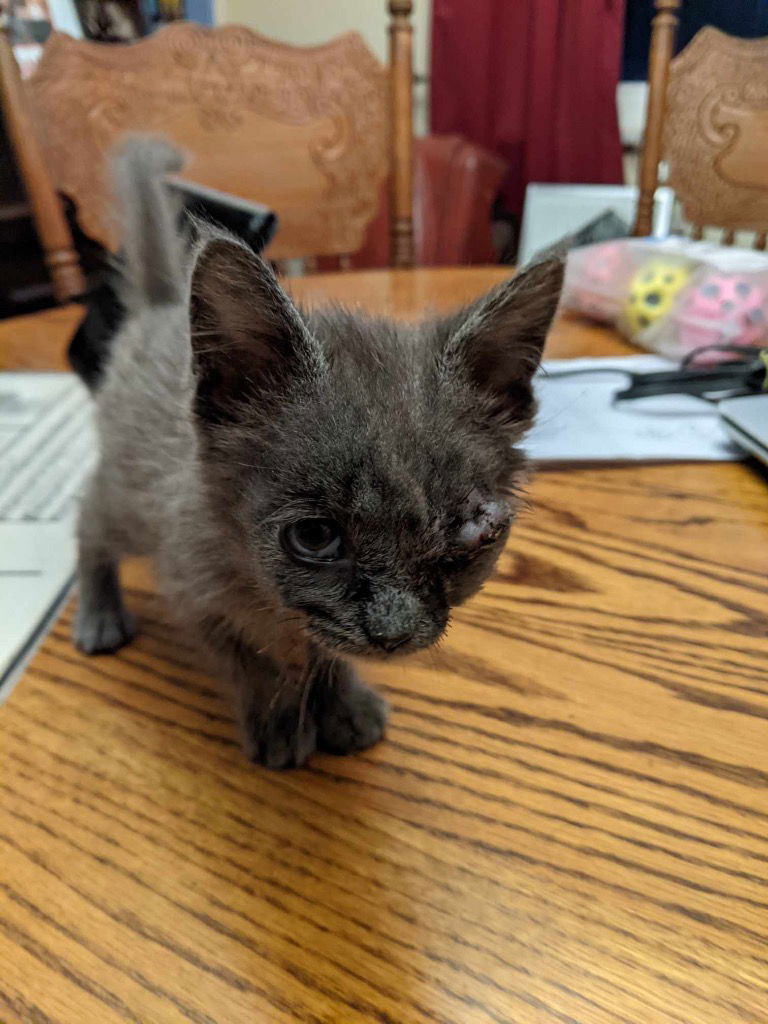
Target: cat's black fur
104,309
228,416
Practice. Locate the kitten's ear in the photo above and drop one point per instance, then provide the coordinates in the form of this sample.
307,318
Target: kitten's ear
247,336
497,342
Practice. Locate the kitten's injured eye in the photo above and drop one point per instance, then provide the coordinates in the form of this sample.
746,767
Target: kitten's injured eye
313,540
489,521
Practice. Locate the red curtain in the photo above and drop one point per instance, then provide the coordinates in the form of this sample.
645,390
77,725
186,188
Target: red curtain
534,81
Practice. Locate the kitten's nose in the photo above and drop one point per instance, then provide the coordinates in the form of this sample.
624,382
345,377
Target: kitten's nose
391,642
390,618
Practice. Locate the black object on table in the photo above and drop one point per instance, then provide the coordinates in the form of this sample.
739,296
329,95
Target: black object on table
746,374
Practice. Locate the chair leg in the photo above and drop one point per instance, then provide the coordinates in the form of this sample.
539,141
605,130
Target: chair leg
401,139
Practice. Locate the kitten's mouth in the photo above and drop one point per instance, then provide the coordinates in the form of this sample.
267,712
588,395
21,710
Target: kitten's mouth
336,642
324,631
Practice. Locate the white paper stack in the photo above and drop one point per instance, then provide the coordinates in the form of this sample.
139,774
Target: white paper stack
579,422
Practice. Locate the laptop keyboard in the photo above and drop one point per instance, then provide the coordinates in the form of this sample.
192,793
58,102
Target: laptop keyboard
47,449
47,446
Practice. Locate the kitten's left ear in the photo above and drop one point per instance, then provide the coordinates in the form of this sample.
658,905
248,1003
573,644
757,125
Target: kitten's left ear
497,342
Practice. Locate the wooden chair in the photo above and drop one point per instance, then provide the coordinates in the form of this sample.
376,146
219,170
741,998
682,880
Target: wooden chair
708,118
310,131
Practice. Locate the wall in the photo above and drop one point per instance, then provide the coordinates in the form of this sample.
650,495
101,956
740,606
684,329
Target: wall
314,21
631,103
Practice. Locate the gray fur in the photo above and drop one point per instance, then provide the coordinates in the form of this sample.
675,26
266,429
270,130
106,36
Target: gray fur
153,264
226,416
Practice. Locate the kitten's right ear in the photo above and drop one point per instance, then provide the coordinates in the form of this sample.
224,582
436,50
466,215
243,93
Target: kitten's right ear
497,342
248,339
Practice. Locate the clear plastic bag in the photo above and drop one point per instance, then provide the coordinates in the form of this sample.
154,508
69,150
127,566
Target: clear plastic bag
672,296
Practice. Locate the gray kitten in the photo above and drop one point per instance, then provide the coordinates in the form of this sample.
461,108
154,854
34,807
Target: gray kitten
308,485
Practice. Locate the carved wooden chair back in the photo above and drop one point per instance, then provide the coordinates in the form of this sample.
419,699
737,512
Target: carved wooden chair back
708,119
309,131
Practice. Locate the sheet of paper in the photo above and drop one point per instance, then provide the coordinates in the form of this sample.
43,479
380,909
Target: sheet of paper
578,421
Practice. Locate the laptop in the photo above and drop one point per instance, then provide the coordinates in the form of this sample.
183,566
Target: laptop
47,449
553,211
746,420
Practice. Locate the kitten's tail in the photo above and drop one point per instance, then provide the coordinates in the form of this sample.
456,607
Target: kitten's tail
152,244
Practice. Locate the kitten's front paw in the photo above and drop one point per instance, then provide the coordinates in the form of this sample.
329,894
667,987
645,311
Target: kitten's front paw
351,717
102,631
282,743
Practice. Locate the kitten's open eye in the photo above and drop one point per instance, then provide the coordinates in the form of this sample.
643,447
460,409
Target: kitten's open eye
313,540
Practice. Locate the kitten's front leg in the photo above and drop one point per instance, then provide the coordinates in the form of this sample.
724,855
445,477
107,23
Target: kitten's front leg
326,706
290,707
350,714
271,697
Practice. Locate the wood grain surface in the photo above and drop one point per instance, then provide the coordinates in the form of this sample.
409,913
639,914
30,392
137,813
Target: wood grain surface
38,341
568,823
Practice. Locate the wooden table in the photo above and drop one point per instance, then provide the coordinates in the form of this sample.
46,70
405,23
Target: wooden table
567,825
